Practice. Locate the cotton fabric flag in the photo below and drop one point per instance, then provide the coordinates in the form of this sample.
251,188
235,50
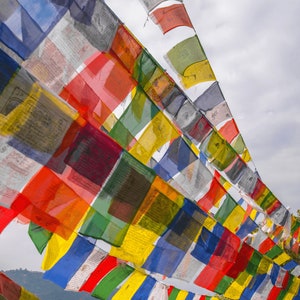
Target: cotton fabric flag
189,60
170,17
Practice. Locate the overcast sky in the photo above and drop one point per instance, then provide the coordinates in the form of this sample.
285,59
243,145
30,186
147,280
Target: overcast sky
253,48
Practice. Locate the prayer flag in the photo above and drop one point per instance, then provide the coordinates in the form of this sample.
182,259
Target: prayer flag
170,17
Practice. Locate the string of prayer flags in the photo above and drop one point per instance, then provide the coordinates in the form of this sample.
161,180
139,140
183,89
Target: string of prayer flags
229,130
187,57
217,113
101,275
88,168
138,284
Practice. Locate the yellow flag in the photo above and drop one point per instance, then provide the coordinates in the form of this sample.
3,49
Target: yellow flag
234,219
182,295
25,295
57,247
130,286
237,287
281,259
196,73
158,132
137,245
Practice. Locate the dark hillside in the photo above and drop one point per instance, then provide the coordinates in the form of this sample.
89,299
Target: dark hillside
44,289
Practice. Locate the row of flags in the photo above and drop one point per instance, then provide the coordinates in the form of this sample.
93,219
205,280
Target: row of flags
213,106
98,141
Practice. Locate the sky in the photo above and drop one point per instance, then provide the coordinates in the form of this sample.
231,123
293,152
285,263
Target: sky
253,49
